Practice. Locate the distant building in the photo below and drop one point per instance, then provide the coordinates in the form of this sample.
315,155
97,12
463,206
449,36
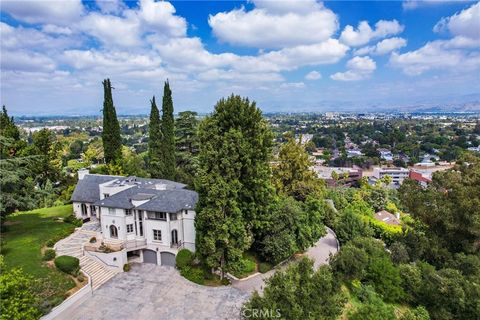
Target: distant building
347,176
305,138
386,154
354,153
387,217
397,174
420,178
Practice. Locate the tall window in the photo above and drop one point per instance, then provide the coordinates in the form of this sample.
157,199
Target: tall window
128,212
129,228
157,235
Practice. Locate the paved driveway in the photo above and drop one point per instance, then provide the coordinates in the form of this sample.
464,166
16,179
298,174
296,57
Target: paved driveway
153,292
320,254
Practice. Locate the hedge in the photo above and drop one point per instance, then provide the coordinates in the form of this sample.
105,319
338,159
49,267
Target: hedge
68,264
49,255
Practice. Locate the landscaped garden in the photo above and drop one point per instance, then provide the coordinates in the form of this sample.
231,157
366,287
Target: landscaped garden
24,243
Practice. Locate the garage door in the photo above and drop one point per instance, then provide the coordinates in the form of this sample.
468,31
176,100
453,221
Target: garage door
168,259
149,256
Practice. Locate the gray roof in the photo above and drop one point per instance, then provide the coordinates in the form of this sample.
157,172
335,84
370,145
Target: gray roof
171,201
87,188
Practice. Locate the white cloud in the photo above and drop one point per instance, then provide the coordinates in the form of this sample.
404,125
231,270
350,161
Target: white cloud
25,61
439,54
288,6
359,68
160,15
35,11
111,6
293,85
465,23
54,29
383,47
273,26
364,33
112,30
313,75
414,4
458,54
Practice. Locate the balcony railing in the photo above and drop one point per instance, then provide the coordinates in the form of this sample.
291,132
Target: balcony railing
177,245
134,244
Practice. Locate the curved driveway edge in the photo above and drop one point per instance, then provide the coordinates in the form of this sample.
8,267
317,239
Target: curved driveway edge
320,253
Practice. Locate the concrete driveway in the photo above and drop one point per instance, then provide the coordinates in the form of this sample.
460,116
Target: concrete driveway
154,292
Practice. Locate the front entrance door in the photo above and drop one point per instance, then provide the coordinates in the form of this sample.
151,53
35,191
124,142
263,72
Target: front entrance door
113,232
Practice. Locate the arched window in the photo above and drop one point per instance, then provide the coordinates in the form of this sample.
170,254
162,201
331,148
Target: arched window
174,237
113,231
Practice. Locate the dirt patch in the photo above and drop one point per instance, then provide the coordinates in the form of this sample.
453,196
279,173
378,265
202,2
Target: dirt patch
11,223
78,284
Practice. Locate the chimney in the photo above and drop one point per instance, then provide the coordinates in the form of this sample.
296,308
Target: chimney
82,173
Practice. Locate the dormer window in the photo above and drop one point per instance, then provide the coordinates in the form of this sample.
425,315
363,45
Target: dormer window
106,195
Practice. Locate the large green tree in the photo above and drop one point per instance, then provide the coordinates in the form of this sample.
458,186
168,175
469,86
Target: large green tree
186,139
292,174
299,292
168,135
9,130
154,142
111,138
233,180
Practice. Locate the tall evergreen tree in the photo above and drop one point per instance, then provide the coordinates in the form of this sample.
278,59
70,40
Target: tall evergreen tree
9,130
233,181
168,135
112,141
154,142
186,139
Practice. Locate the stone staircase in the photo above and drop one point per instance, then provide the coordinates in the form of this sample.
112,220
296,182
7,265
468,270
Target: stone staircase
97,271
73,246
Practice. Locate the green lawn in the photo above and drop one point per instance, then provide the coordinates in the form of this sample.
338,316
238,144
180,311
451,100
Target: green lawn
26,233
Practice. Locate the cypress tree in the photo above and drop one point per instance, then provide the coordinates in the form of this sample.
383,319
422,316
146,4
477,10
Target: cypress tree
112,141
168,135
154,142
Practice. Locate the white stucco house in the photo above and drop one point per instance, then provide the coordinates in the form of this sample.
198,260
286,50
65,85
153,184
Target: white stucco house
149,219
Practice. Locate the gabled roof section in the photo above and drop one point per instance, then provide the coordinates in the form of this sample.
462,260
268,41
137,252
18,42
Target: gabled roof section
87,189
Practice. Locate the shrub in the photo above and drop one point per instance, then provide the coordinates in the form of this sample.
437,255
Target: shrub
184,258
193,274
73,220
49,255
80,278
68,264
126,267
264,267
50,243
244,268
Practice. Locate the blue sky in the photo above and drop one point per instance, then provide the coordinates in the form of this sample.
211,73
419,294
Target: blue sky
295,55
